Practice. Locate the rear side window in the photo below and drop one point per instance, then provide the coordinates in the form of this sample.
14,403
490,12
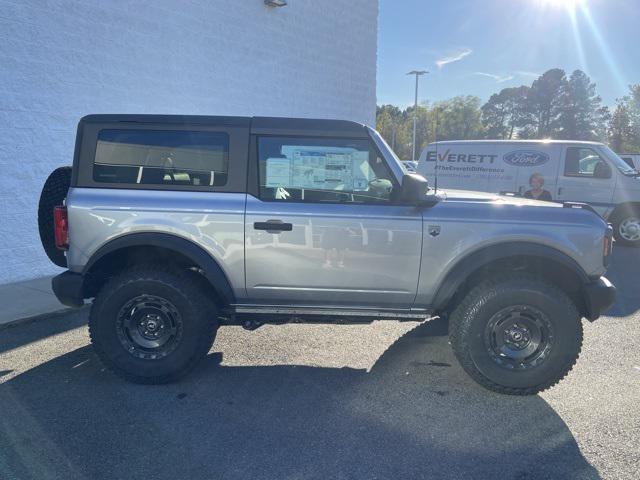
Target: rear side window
162,157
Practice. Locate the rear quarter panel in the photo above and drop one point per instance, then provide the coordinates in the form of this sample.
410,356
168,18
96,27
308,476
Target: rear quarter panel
213,221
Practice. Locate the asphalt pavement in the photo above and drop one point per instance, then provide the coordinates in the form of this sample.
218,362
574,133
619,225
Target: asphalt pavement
386,400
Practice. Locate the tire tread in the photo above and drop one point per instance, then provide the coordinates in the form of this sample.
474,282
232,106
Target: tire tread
459,322
187,286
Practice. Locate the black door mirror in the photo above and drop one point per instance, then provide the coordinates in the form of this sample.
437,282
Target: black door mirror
414,188
602,170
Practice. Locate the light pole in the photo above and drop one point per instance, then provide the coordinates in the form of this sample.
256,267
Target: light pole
417,73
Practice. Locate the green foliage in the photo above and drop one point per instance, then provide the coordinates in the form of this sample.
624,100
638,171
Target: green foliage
554,106
459,117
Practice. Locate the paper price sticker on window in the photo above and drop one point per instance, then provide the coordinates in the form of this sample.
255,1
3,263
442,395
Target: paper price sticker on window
278,172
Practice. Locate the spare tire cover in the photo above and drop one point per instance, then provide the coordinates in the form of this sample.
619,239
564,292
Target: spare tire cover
53,194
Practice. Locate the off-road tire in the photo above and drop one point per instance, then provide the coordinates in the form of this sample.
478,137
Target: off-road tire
198,315
469,320
619,216
53,194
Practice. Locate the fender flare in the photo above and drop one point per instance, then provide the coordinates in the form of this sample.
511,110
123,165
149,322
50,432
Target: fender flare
212,271
485,256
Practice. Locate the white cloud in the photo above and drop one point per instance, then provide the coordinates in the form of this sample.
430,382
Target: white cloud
525,73
497,78
456,57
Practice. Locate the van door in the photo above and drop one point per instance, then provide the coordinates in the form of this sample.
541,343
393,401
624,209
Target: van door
468,166
586,177
536,163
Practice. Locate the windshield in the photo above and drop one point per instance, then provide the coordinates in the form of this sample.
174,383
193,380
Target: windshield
618,162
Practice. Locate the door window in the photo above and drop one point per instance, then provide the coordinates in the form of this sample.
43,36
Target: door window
323,170
584,162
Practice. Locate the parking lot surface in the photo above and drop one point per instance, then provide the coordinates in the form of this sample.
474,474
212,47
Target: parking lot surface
386,400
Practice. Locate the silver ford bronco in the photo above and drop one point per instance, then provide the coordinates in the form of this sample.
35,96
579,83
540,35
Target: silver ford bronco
176,225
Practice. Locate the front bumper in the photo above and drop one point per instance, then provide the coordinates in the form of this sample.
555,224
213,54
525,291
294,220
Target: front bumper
599,295
68,287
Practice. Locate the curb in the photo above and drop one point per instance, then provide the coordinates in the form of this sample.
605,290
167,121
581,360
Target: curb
41,316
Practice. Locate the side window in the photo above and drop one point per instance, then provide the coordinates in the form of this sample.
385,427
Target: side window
628,161
584,162
162,157
323,170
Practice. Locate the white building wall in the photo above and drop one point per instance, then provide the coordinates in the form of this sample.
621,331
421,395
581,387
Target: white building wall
62,59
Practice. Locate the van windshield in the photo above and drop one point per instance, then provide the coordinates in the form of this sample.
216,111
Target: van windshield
619,163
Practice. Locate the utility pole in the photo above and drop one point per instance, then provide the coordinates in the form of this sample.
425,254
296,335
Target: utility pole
417,73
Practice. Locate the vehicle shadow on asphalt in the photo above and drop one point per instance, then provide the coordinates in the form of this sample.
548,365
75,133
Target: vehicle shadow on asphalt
415,414
623,272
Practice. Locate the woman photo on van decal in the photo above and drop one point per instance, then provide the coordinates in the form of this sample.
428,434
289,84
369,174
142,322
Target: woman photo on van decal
536,181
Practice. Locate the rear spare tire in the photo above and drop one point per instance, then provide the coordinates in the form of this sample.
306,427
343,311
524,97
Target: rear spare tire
53,194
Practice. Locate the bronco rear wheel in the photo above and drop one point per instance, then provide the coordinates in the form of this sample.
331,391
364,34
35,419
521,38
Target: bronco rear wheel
152,324
517,335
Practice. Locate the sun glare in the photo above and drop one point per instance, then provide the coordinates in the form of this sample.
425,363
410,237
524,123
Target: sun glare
567,4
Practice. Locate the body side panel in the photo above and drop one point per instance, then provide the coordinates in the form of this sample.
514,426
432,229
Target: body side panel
214,221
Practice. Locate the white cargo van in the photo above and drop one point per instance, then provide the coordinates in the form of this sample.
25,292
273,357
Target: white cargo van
587,172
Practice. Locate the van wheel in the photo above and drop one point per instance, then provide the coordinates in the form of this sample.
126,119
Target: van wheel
53,194
626,226
152,324
517,335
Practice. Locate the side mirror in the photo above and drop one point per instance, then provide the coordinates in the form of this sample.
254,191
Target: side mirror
414,188
602,170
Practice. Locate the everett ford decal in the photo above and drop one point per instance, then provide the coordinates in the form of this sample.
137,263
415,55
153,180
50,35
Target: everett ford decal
526,158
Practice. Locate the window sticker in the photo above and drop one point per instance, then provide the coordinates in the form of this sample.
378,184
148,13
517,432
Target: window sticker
319,168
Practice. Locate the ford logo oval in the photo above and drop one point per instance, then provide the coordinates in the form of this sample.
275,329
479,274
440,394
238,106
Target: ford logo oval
526,158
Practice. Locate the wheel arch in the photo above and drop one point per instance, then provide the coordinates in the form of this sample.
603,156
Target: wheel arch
621,207
150,246
546,262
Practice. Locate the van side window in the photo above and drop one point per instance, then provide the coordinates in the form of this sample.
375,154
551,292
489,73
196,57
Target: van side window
162,157
583,162
323,170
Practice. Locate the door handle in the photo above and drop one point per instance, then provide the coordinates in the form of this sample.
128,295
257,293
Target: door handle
559,190
273,226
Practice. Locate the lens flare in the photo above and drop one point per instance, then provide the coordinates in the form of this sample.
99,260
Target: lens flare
570,5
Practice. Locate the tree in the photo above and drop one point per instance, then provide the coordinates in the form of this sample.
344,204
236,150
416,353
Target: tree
581,115
389,120
543,106
620,129
504,111
459,118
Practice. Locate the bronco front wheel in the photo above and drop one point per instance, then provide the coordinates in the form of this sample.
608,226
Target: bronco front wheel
517,335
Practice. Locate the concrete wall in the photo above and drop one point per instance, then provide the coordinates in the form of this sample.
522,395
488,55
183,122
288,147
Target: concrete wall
60,60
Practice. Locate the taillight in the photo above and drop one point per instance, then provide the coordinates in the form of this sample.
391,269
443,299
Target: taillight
607,246
61,227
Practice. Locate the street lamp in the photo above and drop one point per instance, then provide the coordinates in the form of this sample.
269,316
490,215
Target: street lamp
417,73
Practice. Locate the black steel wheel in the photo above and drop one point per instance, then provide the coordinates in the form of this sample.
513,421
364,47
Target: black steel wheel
149,327
516,334
519,337
152,324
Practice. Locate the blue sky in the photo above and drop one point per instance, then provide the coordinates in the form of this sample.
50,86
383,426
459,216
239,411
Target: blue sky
478,47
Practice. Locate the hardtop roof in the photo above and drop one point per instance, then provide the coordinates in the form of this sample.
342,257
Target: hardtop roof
258,125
